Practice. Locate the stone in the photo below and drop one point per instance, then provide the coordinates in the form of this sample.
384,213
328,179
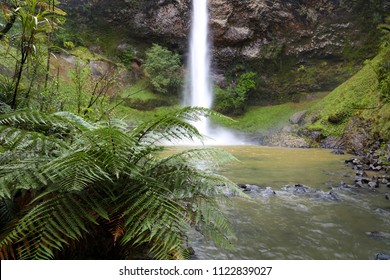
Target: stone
298,117
358,136
382,256
373,185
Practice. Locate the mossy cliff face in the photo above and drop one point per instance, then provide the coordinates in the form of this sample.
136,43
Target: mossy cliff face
294,45
246,29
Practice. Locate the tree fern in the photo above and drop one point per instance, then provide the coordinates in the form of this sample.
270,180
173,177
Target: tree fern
69,178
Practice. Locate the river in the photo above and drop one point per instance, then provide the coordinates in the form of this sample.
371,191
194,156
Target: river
289,225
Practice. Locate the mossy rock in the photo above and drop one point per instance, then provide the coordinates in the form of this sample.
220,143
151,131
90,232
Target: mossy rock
337,117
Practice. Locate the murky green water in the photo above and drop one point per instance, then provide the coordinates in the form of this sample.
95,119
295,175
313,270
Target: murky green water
300,226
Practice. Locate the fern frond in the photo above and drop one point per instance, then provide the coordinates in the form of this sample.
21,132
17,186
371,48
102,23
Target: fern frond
172,126
50,124
111,147
152,216
49,225
73,176
74,171
18,139
116,225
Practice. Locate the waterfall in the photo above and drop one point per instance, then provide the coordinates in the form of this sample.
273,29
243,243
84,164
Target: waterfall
199,91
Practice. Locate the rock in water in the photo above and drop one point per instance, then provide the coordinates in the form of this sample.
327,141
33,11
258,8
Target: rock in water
378,234
381,256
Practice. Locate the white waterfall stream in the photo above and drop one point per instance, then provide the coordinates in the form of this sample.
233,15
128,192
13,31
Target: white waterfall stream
199,90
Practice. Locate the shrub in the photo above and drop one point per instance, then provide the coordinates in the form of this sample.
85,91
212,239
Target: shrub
163,69
233,100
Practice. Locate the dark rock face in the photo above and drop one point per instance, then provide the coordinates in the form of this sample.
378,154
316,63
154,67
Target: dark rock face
245,29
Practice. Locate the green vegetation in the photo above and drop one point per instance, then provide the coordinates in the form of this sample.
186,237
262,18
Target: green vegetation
30,48
234,99
77,183
361,96
66,184
264,119
164,70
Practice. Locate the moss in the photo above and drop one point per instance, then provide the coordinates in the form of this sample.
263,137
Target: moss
85,54
296,77
358,96
134,116
263,119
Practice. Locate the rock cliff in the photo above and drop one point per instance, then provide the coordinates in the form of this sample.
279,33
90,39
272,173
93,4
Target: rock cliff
248,29
251,31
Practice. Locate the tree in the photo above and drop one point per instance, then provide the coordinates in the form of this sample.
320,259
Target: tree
65,182
164,70
37,21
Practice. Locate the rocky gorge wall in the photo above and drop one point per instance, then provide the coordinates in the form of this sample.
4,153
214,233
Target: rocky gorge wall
253,33
247,29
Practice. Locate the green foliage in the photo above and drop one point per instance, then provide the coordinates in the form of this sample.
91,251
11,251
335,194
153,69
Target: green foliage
65,182
384,80
363,95
69,45
383,71
35,21
163,68
233,100
260,120
127,56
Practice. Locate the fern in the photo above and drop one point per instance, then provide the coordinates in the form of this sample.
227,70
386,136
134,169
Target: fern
69,178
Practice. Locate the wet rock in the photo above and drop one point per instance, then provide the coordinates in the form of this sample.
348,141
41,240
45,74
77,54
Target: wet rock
382,256
255,190
359,184
314,135
345,187
333,142
361,173
300,189
378,234
373,184
333,196
384,181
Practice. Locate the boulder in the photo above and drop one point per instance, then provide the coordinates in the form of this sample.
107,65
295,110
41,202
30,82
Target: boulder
358,136
298,117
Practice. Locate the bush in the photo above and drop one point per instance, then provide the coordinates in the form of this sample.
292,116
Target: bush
384,80
163,69
233,100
